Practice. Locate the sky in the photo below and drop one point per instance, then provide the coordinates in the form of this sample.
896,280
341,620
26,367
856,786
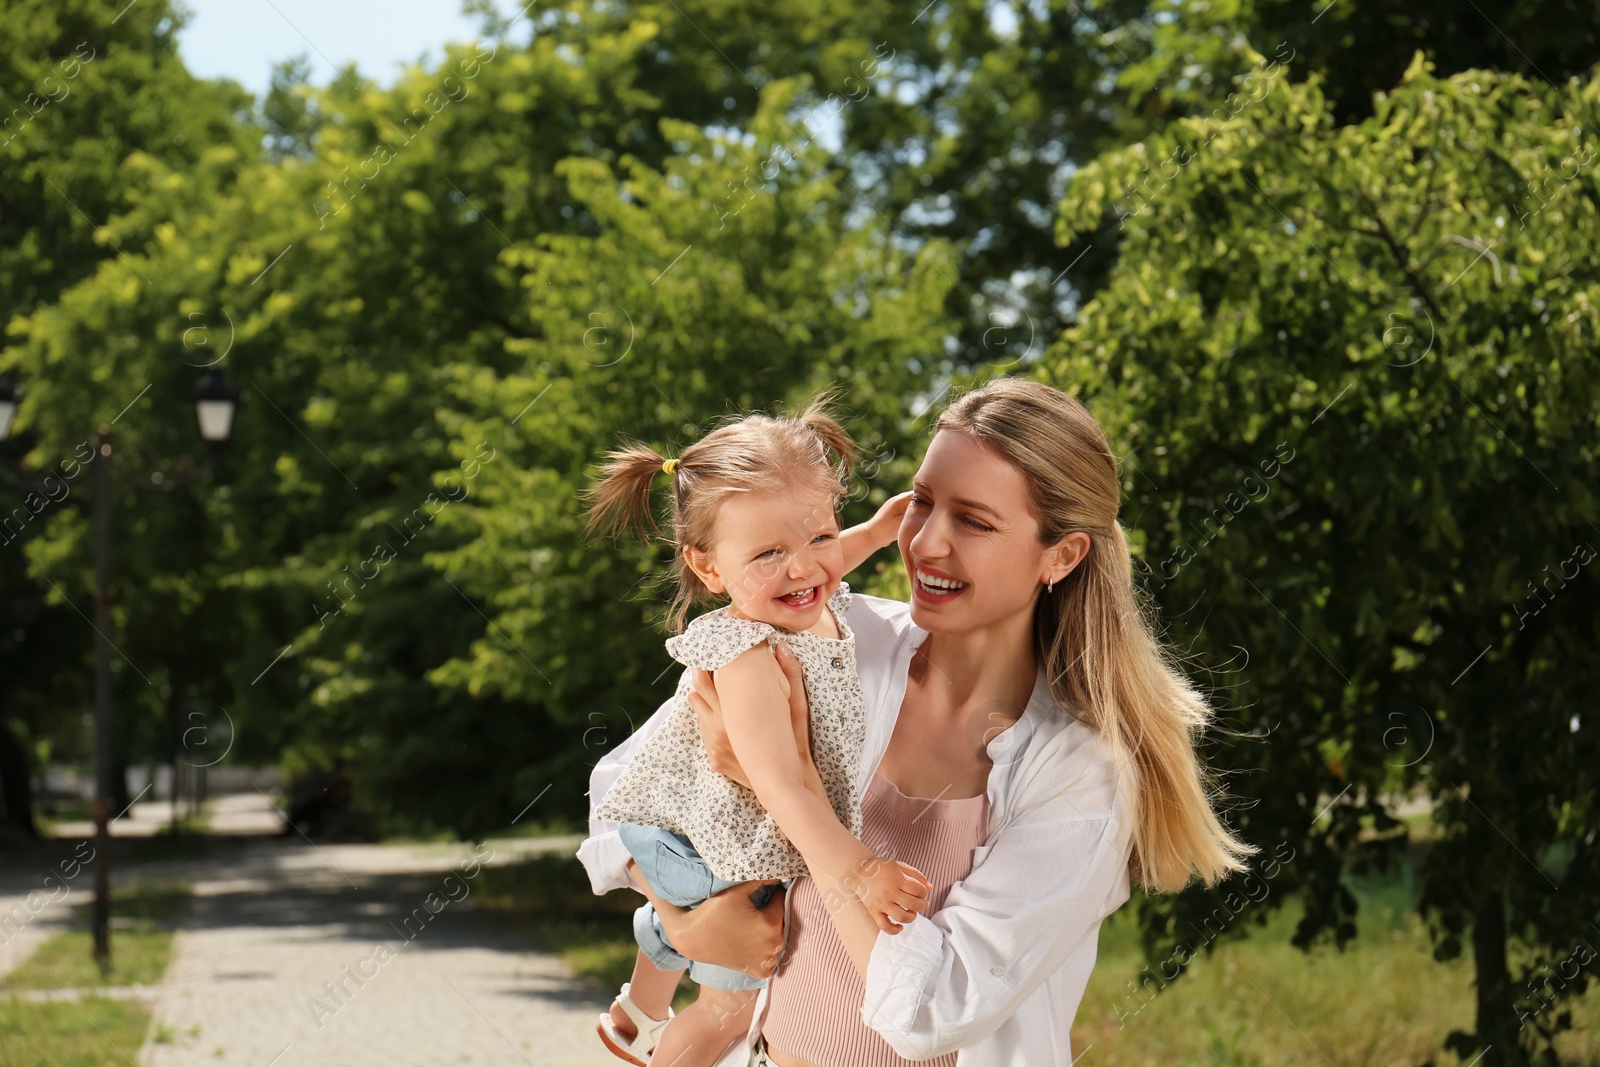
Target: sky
242,39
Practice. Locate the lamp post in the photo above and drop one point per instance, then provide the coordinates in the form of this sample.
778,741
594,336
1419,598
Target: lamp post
215,399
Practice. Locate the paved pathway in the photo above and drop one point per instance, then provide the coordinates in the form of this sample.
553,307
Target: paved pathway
36,900
294,954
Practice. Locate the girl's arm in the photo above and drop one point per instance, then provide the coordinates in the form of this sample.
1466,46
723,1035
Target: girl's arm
751,691
857,928
880,531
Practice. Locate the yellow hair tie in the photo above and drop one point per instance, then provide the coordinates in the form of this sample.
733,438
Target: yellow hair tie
670,466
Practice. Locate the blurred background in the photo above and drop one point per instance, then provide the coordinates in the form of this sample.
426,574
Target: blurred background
318,315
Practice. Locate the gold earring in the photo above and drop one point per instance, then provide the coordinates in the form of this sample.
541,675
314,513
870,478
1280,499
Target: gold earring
1050,585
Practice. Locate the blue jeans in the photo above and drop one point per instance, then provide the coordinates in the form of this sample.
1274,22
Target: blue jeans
679,876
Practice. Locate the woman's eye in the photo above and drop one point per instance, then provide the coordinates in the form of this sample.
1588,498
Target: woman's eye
976,525
915,500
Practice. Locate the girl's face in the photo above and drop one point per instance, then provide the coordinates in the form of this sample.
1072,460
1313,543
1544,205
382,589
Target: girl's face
969,541
776,555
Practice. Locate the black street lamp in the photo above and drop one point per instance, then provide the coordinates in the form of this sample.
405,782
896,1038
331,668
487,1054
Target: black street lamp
8,405
215,401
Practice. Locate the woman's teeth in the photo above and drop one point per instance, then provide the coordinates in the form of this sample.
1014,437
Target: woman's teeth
939,586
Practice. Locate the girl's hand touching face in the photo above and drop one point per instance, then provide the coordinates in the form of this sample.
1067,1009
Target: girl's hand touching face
885,524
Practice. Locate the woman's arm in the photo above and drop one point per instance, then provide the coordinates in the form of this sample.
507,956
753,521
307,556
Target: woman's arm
726,929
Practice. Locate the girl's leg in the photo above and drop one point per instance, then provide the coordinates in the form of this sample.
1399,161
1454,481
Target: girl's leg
702,1032
651,989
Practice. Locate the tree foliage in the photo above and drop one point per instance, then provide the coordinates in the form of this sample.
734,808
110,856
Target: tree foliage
1343,334
1353,367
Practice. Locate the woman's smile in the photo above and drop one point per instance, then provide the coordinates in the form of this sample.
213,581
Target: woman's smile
936,588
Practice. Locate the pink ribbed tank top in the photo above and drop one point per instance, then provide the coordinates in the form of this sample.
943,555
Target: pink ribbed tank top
814,1003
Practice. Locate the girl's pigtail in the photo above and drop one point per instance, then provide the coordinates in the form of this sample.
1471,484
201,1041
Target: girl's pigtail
621,498
830,433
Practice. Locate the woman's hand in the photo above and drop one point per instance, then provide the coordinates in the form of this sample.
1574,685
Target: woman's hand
708,711
726,930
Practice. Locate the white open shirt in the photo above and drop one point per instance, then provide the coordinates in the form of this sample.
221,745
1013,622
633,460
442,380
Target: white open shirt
999,970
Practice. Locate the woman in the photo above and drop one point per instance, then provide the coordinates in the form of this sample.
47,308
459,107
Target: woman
1030,745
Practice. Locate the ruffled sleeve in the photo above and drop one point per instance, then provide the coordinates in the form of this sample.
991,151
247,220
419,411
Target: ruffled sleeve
716,639
840,599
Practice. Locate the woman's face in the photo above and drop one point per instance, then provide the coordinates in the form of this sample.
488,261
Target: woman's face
970,544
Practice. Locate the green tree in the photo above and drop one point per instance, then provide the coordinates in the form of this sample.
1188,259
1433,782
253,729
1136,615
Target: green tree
336,289
367,283
1363,49
962,121
687,304
1353,367
83,91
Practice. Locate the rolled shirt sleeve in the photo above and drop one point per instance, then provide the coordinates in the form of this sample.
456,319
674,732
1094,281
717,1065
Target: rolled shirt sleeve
602,853
1042,886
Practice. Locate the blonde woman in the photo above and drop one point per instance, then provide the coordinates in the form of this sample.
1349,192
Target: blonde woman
1030,748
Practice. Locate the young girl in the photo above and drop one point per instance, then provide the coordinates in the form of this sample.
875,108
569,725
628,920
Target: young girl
754,520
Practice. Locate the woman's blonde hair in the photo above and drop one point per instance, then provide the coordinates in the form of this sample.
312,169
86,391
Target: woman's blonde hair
1093,637
748,453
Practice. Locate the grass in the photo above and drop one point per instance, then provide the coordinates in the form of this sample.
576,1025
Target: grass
192,822
56,1035
142,918
52,817
160,847
552,828
1256,1001
529,829
549,899
1259,1001
91,1031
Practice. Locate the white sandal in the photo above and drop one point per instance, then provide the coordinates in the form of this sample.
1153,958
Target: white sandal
637,1051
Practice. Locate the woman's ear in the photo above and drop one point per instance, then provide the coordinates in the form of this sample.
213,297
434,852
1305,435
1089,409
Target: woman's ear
1064,557
700,563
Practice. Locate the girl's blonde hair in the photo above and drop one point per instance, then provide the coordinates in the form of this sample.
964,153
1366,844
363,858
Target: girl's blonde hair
1093,637
750,453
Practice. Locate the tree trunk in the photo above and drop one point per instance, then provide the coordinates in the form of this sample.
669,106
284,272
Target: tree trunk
16,784
1496,1020
121,797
